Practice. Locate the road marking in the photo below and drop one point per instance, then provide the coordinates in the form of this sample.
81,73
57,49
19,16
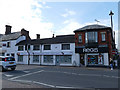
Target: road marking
26,71
65,87
85,74
8,75
26,75
43,84
25,81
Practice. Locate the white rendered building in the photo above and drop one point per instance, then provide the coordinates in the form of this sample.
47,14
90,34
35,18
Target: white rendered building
59,50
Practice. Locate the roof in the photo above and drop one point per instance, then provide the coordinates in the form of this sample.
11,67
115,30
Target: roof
92,27
55,40
12,36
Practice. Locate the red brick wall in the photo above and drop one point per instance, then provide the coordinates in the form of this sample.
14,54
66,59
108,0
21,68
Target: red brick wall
107,37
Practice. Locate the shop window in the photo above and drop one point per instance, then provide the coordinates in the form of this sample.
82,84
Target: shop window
95,59
92,59
36,58
65,46
80,38
20,58
64,59
47,47
91,37
20,48
36,47
48,59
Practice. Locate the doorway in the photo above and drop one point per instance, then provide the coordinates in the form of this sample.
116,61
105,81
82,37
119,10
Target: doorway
82,59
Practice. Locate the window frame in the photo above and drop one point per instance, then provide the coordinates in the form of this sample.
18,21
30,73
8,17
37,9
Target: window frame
34,47
8,44
19,58
103,34
21,49
63,47
49,48
34,59
94,39
80,35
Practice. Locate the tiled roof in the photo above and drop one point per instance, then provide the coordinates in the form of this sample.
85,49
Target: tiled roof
91,27
55,40
12,36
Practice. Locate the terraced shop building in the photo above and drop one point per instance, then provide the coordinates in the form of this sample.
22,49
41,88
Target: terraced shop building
59,50
94,43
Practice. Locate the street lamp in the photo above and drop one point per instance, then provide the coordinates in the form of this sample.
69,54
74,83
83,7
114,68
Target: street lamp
111,14
27,48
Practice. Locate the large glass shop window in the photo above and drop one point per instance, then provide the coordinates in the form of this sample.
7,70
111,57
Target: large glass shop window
92,59
95,59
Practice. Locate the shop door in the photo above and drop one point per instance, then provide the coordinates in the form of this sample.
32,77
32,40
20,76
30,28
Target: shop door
57,60
82,59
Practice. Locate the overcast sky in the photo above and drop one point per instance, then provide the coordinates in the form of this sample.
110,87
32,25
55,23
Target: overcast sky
46,18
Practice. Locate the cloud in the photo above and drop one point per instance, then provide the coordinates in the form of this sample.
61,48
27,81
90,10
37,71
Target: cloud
24,14
68,13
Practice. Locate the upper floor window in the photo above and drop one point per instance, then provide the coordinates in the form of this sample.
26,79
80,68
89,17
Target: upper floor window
80,38
36,47
20,48
65,46
103,36
8,44
47,47
27,47
91,37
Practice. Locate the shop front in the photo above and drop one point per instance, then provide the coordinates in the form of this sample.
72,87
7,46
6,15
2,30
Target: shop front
97,56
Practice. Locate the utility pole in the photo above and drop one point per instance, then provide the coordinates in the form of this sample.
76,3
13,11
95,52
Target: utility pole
111,14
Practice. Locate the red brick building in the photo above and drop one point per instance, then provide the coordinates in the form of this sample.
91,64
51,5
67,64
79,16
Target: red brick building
94,44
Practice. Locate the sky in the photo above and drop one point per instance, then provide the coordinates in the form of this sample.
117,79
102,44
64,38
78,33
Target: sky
60,17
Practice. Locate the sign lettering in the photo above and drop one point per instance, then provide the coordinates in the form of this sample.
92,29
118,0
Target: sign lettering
87,50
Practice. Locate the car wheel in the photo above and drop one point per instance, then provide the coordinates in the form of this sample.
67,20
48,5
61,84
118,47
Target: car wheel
12,69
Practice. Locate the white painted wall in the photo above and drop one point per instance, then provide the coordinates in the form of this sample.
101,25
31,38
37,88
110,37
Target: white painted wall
55,50
106,61
12,48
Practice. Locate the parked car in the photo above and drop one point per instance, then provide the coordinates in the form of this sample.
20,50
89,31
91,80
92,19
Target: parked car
7,62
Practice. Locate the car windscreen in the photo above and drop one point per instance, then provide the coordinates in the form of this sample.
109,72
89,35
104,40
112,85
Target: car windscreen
8,59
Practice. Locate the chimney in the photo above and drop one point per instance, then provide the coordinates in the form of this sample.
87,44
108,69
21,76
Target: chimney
8,29
25,33
37,36
53,36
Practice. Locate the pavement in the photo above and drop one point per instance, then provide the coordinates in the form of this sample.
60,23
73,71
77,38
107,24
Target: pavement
35,76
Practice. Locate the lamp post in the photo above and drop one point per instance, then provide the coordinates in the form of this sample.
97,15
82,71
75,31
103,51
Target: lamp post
111,14
27,45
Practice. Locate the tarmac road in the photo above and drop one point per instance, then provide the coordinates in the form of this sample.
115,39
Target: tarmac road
33,76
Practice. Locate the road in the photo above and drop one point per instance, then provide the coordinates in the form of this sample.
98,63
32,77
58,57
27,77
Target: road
60,77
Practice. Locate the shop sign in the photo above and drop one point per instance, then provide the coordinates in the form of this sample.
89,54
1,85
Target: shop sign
87,50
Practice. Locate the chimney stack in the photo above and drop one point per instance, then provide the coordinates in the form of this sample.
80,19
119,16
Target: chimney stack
53,36
8,29
37,36
25,33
